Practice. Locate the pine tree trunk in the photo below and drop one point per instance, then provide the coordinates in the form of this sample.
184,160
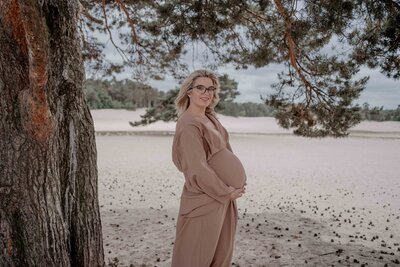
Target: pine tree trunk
49,211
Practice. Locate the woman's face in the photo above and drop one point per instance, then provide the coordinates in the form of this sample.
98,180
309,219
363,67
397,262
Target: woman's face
197,97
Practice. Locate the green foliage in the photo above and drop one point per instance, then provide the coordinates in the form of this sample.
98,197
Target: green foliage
228,88
127,94
316,92
97,95
164,110
227,93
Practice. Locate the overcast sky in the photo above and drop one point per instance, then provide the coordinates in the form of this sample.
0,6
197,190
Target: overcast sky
380,91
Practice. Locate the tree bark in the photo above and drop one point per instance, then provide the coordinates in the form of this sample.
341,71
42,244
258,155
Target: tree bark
49,211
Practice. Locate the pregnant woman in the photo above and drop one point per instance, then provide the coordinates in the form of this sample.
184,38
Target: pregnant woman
214,177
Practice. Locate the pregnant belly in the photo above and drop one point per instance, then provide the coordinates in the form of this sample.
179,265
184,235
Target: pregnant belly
228,167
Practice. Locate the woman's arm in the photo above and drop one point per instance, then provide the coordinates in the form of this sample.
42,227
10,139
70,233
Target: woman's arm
195,167
228,145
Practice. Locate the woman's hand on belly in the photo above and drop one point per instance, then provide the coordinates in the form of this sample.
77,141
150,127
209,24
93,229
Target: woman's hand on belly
238,193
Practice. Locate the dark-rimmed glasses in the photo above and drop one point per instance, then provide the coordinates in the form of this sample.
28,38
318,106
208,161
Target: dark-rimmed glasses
202,89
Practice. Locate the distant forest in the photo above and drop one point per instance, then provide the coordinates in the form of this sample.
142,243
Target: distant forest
128,94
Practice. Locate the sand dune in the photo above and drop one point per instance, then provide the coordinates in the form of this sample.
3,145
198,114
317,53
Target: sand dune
109,120
309,202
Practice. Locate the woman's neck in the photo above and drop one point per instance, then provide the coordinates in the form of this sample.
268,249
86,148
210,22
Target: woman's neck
196,111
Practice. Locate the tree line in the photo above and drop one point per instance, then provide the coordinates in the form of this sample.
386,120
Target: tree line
379,114
128,94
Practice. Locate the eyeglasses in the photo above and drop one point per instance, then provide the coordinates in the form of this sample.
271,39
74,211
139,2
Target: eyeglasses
202,89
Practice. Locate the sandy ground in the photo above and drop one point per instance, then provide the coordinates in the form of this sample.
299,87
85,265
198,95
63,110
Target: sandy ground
309,202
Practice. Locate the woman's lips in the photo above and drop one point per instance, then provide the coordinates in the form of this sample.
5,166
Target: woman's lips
205,98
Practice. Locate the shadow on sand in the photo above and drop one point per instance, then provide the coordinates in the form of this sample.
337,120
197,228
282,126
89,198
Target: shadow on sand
144,237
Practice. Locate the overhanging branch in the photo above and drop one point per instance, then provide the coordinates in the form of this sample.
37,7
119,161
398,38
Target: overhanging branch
292,46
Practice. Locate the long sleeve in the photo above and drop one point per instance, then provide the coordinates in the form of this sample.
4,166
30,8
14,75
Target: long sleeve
228,146
195,167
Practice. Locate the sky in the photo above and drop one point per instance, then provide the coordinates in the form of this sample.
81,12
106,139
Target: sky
253,82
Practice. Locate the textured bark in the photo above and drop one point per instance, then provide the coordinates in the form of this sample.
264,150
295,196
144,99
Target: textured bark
49,212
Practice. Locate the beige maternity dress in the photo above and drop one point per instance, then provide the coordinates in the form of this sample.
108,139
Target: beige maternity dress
206,224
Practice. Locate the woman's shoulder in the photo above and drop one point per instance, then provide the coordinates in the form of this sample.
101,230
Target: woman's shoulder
187,124
187,119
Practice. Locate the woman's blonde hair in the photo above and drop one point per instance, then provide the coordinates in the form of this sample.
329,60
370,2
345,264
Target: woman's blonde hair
182,101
